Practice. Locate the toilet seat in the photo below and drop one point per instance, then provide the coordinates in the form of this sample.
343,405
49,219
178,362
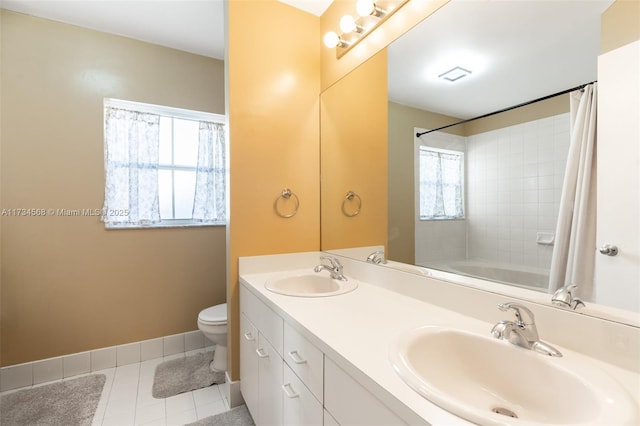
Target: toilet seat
215,315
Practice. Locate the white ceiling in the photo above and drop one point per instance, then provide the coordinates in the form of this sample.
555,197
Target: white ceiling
518,51
523,49
195,26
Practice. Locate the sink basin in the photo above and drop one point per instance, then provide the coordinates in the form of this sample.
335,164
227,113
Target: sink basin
310,285
493,382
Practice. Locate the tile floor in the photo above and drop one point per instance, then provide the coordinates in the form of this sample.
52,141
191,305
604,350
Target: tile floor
126,398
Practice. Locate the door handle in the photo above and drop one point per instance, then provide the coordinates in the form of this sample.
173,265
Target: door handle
608,250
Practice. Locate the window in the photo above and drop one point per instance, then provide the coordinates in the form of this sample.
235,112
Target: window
164,166
441,184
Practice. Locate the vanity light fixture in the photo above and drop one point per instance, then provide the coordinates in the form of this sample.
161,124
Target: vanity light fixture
331,39
369,7
455,74
348,24
371,15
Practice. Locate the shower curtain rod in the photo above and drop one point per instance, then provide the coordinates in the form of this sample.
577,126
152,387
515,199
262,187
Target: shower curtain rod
544,98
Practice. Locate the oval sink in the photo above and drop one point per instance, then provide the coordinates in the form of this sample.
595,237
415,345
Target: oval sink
310,285
493,382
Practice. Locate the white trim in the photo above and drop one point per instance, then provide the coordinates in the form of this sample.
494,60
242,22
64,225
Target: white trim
24,375
166,111
440,150
231,391
167,223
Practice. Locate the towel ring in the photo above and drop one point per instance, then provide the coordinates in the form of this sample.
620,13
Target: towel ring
286,194
350,197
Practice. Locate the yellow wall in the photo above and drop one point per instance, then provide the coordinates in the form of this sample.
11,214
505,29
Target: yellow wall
620,25
402,120
273,88
354,156
547,108
68,285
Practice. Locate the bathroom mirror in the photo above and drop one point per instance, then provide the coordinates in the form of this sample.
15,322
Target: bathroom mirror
551,47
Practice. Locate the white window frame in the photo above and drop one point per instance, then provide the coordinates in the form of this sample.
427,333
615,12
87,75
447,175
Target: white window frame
171,112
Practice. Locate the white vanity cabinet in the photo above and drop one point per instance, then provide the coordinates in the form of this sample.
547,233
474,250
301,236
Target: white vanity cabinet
249,374
349,403
260,360
276,390
287,380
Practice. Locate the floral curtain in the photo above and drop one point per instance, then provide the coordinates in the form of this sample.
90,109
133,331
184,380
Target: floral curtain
209,203
441,184
131,165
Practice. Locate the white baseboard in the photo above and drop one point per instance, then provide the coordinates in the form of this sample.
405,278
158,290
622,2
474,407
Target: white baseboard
231,392
46,370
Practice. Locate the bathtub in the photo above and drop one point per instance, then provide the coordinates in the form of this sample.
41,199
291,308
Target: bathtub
518,275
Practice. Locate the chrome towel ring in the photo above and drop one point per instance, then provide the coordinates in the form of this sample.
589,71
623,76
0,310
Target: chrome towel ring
286,195
351,197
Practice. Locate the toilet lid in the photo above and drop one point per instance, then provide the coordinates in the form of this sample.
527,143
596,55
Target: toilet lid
214,315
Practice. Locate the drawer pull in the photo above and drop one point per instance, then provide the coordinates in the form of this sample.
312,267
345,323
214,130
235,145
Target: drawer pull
249,336
262,353
288,390
295,356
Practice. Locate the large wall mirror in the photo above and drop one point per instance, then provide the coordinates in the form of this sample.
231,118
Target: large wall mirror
499,55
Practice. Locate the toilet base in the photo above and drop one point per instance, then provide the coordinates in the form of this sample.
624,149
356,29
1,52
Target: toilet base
219,362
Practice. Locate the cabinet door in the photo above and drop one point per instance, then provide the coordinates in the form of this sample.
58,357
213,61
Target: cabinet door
249,364
350,403
270,384
301,408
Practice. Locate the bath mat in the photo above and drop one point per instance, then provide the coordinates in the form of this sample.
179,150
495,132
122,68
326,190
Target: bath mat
184,374
238,416
72,402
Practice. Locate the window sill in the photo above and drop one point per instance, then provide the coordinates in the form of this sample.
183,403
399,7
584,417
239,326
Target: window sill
165,224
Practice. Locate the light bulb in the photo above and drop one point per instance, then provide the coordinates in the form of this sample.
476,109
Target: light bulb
348,24
365,7
331,39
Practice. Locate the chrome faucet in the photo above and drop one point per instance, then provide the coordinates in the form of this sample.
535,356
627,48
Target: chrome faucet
334,268
523,332
563,297
377,257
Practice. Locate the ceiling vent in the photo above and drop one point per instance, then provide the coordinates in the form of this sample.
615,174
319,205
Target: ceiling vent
455,74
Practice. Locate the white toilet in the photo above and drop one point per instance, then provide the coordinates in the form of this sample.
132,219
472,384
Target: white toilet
213,323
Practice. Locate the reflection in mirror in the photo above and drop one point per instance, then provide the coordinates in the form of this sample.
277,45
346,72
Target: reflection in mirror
511,176
514,162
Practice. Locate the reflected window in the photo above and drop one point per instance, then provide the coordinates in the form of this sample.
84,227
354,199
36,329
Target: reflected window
441,184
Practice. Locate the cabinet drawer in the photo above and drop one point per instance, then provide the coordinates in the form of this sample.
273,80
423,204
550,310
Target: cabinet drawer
305,360
249,304
301,408
267,321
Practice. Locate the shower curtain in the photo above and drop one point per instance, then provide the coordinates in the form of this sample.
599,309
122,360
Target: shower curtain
573,258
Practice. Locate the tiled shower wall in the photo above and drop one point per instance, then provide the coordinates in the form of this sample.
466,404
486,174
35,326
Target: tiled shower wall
514,181
514,184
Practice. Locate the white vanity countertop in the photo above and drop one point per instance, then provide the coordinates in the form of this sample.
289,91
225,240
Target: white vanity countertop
357,329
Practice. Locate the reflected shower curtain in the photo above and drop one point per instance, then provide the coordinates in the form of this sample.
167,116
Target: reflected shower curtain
574,250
